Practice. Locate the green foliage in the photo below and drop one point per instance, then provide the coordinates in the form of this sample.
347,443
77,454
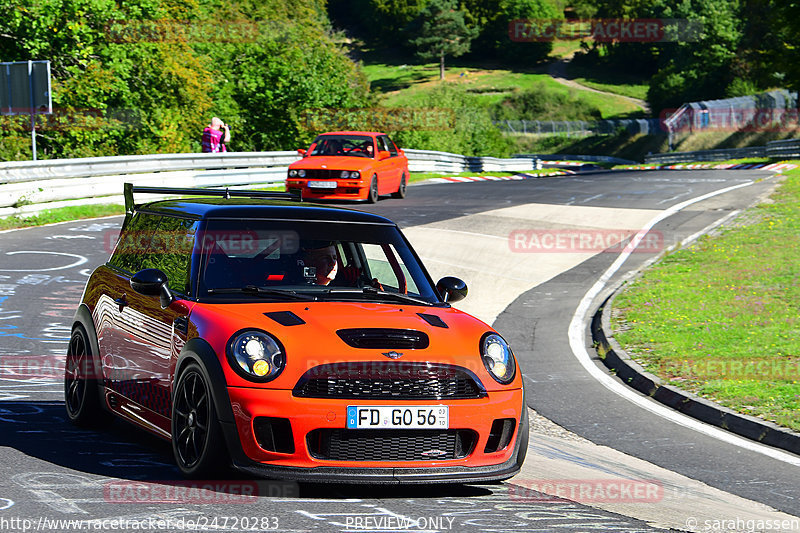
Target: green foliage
443,32
145,76
541,102
472,133
494,36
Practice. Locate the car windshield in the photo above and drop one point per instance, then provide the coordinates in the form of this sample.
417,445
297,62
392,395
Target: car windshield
344,145
310,260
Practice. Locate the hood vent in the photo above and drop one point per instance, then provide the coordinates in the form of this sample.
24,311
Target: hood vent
285,318
384,338
433,320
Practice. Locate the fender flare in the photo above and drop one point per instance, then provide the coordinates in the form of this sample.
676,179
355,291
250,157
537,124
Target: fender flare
83,317
199,351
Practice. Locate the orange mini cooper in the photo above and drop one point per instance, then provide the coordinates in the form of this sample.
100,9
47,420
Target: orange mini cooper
294,341
350,165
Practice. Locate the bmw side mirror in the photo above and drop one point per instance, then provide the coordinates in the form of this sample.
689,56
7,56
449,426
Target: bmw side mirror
451,289
153,282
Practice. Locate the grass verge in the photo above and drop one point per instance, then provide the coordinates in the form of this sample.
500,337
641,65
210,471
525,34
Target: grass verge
721,318
62,214
408,86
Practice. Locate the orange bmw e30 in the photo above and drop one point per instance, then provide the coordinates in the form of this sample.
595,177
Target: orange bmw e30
293,341
350,165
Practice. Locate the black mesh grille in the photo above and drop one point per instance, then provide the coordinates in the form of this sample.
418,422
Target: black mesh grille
384,338
389,381
390,445
323,173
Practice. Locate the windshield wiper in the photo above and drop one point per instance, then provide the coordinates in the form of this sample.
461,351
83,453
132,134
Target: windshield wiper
263,291
370,291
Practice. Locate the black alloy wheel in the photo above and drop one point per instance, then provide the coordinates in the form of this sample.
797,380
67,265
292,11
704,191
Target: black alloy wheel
81,396
196,436
401,189
373,190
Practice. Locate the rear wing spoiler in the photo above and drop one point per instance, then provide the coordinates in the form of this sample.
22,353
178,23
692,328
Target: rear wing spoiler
130,189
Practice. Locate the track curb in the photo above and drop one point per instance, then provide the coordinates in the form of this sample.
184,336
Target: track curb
630,372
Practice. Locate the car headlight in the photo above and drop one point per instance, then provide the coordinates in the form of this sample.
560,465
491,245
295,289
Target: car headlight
301,173
498,358
292,173
355,174
256,355
345,174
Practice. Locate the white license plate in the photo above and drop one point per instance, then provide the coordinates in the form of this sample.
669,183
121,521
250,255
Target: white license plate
398,416
322,184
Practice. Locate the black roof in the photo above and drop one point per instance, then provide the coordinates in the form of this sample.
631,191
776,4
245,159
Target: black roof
204,208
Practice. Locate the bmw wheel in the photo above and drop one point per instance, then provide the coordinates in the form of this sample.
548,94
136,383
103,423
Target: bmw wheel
197,441
401,189
372,197
81,394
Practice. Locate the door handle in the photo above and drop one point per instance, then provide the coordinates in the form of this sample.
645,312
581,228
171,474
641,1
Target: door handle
121,302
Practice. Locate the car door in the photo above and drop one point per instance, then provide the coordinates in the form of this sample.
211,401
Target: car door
391,170
139,338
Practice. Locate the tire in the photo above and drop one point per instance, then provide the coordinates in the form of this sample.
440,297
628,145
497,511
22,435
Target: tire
197,441
372,196
401,189
81,387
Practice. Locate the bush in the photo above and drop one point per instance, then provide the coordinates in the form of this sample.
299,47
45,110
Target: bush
544,103
472,133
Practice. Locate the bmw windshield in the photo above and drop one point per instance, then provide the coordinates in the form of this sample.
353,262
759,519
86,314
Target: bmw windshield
343,145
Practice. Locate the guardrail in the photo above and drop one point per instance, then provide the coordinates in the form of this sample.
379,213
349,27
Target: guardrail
28,187
571,157
784,149
707,155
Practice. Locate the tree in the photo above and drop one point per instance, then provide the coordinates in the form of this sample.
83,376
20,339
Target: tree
443,33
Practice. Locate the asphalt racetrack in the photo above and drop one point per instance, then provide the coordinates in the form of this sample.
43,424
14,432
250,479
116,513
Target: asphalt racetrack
506,240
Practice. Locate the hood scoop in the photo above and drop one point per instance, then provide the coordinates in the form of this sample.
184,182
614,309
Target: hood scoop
384,338
285,318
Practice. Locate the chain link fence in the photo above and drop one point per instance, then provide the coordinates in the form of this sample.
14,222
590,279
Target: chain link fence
647,126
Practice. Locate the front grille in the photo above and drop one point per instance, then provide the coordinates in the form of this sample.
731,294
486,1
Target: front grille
389,381
390,444
323,174
384,338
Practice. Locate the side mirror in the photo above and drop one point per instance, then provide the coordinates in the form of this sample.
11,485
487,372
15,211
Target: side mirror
302,151
451,289
153,282
383,154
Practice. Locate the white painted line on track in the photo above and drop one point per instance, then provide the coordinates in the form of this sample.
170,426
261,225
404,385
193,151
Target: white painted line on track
578,346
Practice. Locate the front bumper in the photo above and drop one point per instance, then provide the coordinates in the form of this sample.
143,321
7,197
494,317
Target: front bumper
346,189
307,415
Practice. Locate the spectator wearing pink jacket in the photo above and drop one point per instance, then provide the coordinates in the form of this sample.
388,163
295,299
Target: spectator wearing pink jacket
214,140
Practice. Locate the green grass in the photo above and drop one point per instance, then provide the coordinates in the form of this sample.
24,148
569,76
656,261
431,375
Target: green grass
63,214
624,84
408,85
701,315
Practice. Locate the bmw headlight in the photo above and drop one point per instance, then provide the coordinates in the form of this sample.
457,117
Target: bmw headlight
345,174
498,358
355,174
256,355
292,173
301,173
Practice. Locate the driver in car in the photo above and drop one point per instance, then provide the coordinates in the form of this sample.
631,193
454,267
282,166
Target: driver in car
320,263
